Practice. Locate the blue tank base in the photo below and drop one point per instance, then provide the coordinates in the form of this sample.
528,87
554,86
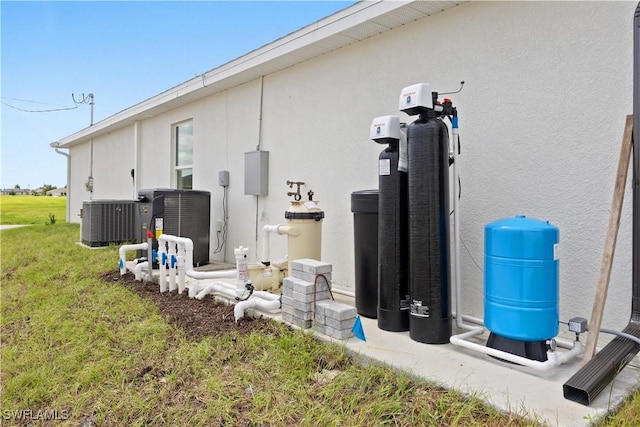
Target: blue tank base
430,330
393,320
533,350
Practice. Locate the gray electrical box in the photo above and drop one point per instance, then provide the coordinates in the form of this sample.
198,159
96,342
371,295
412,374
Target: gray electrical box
256,173
223,178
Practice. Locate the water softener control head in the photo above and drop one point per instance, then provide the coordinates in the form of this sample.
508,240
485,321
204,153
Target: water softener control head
415,99
385,129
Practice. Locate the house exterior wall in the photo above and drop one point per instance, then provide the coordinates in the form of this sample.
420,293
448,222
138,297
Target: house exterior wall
547,89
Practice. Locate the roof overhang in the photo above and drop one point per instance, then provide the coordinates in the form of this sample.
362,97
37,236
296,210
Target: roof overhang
358,22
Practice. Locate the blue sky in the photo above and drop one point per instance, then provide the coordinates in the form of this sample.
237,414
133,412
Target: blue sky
123,53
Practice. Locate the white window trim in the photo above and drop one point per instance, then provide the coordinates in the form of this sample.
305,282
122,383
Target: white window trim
174,153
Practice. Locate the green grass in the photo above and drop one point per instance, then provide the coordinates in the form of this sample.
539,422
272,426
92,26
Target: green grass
32,209
73,343
91,350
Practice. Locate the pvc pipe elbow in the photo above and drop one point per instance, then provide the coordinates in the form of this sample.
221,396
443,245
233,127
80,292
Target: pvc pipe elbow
289,231
122,253
138,270
195,288
206,291
254,301
271,229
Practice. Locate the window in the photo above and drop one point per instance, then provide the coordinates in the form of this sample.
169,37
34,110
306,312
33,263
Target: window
184,155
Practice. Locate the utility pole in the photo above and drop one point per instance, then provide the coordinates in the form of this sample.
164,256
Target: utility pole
91,103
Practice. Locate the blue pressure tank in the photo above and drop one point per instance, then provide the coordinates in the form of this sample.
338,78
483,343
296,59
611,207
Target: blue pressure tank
521,279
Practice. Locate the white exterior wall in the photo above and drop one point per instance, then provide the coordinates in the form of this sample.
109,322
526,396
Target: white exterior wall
547,89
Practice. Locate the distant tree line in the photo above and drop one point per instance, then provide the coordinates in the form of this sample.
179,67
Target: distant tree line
17,190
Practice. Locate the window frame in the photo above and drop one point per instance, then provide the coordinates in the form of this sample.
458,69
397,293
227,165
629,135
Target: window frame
176,179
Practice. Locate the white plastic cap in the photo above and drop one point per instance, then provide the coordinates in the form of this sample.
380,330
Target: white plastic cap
415,99
385,129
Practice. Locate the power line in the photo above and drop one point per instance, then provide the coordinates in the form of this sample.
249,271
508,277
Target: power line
38,111
32,102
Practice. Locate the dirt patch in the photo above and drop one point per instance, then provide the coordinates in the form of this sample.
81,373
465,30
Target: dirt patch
199,318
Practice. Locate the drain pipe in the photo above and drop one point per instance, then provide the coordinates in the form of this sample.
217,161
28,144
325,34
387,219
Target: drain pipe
56,146
122,252
594,376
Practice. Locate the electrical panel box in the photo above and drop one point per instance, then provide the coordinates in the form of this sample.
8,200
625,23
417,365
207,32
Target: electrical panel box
256,173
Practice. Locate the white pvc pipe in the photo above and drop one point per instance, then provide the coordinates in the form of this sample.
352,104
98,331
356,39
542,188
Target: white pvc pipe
456,229
554,358
183,248
220,274
172,266
122,252
456,238
139,269
219,288
194,288
162,265
255,302
267,229
344,292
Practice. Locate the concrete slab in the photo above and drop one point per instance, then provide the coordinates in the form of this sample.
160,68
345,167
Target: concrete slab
503,385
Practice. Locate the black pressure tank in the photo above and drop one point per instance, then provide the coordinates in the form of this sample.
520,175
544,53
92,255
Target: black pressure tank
429,267
393,244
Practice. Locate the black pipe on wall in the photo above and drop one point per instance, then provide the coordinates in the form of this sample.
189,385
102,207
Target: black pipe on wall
594,376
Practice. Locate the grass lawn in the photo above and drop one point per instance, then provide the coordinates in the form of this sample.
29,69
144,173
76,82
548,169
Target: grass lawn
32,209
93,353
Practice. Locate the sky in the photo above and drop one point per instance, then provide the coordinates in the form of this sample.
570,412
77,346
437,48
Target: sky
53,54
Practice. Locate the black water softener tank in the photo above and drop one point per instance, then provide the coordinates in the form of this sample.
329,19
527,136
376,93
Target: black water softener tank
393,257
429,267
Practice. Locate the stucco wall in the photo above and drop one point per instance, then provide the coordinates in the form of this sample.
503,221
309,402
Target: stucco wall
547,89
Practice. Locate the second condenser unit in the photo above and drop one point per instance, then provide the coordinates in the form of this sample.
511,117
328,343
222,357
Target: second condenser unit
108,221
183,213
